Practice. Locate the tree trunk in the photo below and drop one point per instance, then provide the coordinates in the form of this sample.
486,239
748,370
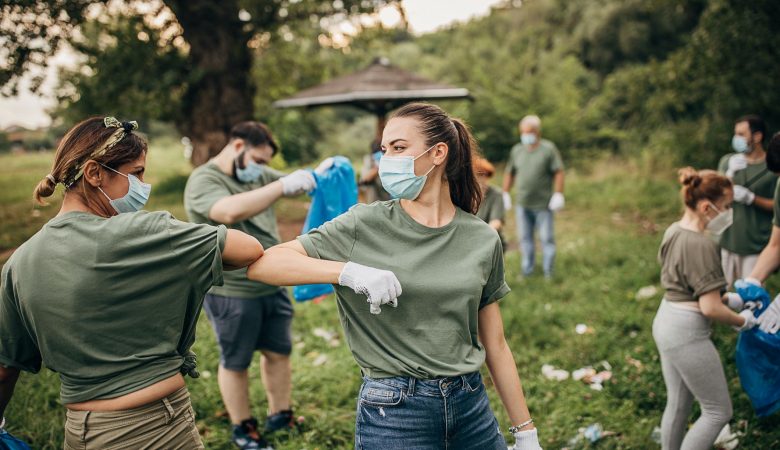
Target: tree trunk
220,92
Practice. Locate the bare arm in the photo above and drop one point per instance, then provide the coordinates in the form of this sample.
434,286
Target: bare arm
769,260
240,250
558,181
496,224
239,207
501,365
288,265
8,377
712,307
767,204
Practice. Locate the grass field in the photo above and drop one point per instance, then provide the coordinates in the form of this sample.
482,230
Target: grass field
607,240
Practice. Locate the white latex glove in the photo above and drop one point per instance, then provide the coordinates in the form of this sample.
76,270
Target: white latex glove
507,201
736,163
752,281
2,424
556,202
750,321
734,301
743,195
526,440
381,287
297,182
326,164
769,320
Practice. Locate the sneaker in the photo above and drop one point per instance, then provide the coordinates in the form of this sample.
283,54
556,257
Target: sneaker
246,436
283,420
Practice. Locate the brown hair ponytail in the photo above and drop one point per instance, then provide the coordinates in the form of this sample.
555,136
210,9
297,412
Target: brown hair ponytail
702,185
437,126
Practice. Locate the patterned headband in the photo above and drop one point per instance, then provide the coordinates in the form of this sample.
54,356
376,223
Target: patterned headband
122,130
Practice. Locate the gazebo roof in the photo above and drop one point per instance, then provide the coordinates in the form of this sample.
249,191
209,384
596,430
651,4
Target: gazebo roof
378,88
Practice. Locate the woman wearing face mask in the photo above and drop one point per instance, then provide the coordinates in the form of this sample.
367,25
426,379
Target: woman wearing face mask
420,359
108,296
693,279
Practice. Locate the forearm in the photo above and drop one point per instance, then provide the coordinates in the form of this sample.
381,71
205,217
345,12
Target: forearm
558,181
8,377
284,266
239,207
769,259
713,308
767,204
503,371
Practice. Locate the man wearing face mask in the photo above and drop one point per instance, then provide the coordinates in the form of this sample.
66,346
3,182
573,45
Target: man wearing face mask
238,189
754,187
537,166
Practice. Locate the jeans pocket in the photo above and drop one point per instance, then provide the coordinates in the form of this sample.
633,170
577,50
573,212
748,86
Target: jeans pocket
378,394
472,382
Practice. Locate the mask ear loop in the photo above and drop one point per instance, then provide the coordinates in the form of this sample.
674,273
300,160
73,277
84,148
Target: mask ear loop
426,151
115,171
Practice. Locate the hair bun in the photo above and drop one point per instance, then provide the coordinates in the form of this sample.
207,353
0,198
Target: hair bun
688,176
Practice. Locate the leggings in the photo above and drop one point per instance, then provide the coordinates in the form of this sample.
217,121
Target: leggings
692,369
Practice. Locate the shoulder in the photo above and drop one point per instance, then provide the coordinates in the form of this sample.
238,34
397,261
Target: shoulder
475,228
375,211
548,145
725,159
141,222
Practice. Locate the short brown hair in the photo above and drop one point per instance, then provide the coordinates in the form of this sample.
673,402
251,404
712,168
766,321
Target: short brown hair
702,185
255,134
483,166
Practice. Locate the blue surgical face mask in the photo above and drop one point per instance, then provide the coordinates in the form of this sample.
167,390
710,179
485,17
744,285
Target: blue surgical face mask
740,144
250,173
528,138
136,197
398,178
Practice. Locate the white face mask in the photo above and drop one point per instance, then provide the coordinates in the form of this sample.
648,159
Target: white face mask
721,222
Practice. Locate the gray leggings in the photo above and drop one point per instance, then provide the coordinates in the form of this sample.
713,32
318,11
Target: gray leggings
692,369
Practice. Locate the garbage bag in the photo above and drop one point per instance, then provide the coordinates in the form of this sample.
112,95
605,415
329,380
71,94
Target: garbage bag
9,442
336,192
758,357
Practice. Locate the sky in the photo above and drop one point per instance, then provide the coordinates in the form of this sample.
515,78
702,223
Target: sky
424,16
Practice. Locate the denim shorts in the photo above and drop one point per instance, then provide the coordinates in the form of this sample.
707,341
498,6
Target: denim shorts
244,325
412,414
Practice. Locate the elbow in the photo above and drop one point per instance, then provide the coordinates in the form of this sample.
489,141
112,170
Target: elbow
709,311
8,375
224,217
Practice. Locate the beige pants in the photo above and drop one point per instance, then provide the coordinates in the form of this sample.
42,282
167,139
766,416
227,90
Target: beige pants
167,424
736,266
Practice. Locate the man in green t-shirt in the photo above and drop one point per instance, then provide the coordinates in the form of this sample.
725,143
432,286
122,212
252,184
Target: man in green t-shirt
754,187
536,165
238,189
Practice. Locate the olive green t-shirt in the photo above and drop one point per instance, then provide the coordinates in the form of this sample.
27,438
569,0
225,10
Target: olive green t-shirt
207,185
752,226
111,304
776,219
492,207
690,265
534,171
447,275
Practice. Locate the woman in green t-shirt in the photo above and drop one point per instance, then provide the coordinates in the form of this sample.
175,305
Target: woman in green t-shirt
108,296
441,269
693,280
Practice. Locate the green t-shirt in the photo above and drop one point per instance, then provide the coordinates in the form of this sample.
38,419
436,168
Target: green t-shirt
207,185
447,274
776,220
690,265
534,171
111,304
492,207
752,226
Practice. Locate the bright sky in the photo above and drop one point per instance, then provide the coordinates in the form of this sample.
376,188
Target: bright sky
424,16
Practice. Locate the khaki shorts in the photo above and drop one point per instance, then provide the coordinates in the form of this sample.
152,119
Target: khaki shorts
167,424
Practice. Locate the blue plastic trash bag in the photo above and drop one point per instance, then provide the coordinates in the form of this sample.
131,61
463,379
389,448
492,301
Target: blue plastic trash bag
336,192
8,442
758,357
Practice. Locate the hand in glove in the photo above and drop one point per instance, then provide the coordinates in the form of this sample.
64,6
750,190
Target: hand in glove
507,201
769,320
734,301
743,195
736,163
380,286
297,182
526,440
750,321
556,202
326,164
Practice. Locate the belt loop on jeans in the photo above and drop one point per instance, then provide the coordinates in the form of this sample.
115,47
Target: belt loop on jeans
84,426
410,387
168,409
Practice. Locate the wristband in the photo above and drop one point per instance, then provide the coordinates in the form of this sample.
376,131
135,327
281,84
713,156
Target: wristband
517,428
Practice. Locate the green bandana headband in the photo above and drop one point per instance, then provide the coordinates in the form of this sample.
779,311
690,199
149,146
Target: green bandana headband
123,129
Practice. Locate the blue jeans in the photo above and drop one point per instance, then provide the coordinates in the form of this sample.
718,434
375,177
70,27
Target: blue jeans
529,220
409,414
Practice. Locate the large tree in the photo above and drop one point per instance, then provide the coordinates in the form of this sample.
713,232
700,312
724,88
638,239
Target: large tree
196,54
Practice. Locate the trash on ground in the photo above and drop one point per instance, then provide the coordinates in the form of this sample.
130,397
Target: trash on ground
646,292
320,360
581,328
656,435
727,440
551,373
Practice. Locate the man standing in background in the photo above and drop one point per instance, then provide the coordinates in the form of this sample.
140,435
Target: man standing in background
754,187
536,165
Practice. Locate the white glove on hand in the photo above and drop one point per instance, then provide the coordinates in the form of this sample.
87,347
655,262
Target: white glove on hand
380,286
736,163
297,182
2,424
556,202
326,164
743,195
526,440
734,301
507,201
769,320
750,321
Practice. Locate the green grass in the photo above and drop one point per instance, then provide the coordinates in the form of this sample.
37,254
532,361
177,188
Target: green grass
607,240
